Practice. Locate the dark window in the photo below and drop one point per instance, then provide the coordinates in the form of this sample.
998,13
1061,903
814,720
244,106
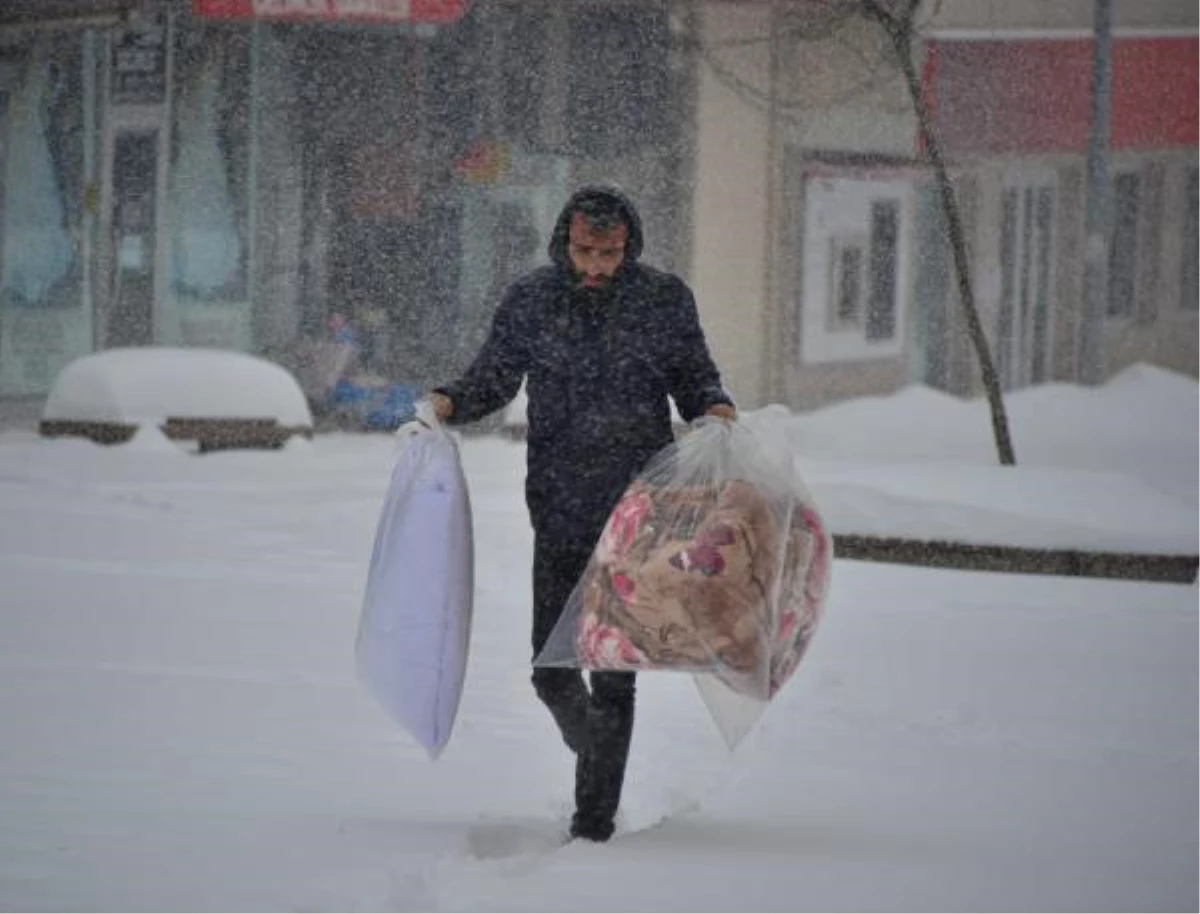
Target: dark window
617,96
455,82
1039,370
1008,295
522,37
1123,249
881,301
1190,284
4,126
849,284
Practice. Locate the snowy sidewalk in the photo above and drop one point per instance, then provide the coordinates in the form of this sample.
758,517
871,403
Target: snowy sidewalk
1106,480
1032,520
184,728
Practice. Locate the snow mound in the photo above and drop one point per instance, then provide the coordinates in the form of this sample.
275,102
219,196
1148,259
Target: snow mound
1164,381
152,384
150,439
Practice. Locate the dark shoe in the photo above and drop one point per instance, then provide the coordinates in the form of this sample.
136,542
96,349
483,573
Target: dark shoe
591,829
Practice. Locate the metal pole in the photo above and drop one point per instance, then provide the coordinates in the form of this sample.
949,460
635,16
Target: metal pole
1095,254
257,337
769,387
91,183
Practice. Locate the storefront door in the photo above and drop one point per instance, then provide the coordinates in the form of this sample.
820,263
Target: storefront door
132,174
132,184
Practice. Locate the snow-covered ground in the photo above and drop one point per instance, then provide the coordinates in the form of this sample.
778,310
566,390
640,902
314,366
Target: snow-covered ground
183,729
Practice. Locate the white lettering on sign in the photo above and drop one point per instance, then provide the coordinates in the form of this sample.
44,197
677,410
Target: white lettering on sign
392,10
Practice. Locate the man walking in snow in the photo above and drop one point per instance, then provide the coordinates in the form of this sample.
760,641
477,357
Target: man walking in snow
601,341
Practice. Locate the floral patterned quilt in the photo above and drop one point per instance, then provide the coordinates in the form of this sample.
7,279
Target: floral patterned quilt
716,577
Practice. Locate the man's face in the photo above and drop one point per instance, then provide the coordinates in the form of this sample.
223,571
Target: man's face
595,255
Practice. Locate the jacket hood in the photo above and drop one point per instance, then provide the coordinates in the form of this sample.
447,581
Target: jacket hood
558,238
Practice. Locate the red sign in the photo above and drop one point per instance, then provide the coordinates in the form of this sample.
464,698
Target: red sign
1035,95
437,12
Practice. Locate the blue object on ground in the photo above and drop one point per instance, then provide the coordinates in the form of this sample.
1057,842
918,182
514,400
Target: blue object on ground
385,407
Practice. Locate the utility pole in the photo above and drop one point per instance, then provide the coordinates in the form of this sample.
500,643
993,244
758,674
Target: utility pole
1095,251
772,317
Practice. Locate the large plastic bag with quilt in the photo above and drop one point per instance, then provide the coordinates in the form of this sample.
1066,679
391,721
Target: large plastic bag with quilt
715,562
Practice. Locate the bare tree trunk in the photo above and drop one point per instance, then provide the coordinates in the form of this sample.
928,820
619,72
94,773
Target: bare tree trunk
899,29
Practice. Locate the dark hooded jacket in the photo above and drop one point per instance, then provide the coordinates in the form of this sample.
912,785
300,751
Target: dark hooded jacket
599,367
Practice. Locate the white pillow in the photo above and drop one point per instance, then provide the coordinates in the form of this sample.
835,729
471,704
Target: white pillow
415,627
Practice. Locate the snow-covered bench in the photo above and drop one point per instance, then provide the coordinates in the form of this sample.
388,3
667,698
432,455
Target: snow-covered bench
217,398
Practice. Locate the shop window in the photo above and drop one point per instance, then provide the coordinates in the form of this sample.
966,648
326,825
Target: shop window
41,180
209,166
1190,280
1123,246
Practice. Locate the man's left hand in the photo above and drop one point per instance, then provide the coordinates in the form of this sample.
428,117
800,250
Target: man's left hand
722,411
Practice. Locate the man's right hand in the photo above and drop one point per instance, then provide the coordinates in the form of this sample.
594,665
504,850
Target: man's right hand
442,405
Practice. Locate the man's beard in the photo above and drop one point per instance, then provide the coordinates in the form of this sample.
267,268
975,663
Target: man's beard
595,295
581,280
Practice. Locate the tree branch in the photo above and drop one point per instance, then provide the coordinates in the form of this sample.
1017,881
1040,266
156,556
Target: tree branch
899,27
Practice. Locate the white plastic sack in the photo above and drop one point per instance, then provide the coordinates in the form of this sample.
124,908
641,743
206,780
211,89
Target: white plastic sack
415,628
714,562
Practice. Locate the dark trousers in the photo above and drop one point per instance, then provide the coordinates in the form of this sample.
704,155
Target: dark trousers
598,724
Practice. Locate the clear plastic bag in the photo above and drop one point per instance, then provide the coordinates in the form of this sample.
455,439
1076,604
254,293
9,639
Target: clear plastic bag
714,562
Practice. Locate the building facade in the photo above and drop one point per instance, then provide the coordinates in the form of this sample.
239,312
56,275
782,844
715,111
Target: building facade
246,173
240,173
827,272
